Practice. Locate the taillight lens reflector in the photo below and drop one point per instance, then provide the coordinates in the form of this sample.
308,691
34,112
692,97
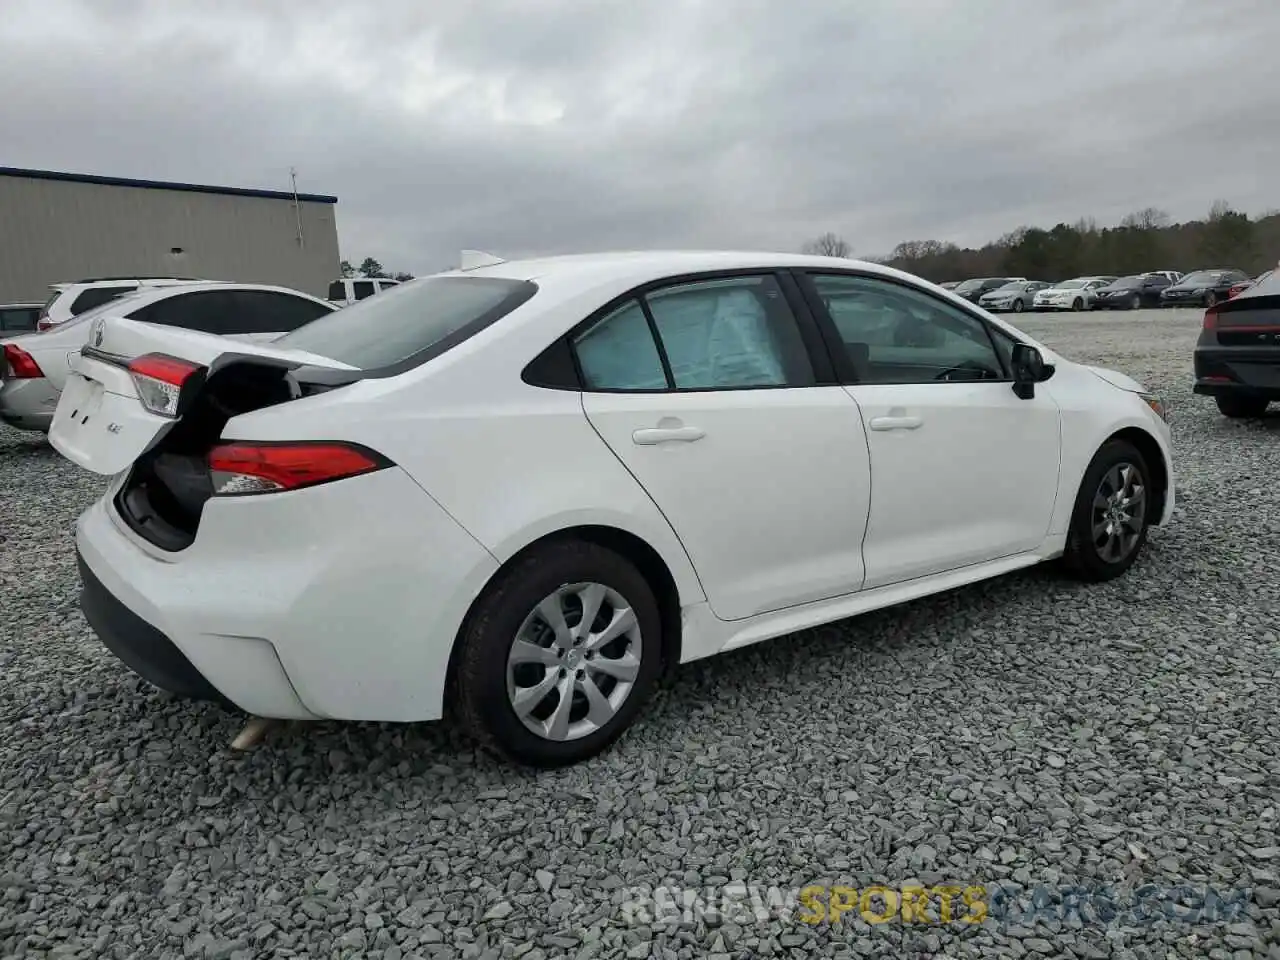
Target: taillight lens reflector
1211,318
248,468
22,366
159,379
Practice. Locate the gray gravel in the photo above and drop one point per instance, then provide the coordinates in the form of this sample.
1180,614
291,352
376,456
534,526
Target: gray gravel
1026,732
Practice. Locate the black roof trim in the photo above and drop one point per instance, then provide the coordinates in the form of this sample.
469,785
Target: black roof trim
161,185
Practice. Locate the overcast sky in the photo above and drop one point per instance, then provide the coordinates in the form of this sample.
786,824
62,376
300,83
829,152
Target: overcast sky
522,126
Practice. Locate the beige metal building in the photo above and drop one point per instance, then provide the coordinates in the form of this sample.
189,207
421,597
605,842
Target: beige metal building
62,227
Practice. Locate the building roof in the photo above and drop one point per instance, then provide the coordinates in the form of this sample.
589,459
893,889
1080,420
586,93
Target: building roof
161,185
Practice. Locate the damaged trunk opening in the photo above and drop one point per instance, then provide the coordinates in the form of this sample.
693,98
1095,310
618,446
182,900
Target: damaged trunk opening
167,487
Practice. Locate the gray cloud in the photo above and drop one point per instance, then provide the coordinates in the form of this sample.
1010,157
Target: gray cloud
557,126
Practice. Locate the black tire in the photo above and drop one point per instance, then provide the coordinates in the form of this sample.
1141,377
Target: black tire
480,695
1135,302
1239,407
1018,306
1210,299
1082,557
1077,304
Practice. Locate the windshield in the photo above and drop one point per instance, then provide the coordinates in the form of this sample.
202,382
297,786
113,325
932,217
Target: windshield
1071,284
1200,276
1010,287
971,285
416,320
1128,282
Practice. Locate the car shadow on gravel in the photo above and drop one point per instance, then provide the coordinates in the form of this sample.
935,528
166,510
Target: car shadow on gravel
26,447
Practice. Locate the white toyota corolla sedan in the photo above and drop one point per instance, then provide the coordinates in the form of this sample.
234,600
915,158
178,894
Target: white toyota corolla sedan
521,491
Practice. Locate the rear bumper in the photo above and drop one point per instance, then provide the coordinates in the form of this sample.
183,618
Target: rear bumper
342,601
1222,371
28,404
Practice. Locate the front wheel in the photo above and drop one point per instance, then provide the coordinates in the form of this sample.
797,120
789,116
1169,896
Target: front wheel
1109,521
558,655
1238,407
1210,299
1077,304
1018,306
1135,302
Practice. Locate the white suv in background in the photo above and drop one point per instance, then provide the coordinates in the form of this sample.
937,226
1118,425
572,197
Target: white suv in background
347,291
72,299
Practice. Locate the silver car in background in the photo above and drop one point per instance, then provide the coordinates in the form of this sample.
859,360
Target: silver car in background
1075,294
1016,296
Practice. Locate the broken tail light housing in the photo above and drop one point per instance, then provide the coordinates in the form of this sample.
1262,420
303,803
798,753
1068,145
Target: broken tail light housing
22,366
248,467
165,384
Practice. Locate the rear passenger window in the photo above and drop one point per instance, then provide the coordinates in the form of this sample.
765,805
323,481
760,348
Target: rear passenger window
619,353
208,311
338,290
715,335
96,297
263,311
362,289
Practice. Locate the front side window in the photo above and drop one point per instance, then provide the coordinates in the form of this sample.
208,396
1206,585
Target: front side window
895,334
337,290
718,334
362,289
265,311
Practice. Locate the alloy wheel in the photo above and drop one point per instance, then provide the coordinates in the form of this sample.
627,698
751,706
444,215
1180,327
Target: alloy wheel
1136,302
1119,512
574,661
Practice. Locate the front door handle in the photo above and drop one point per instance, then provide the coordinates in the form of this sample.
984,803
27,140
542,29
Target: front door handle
896,423
654,435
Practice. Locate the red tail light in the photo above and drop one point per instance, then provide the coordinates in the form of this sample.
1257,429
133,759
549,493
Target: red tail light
22,366
159,379
1211,317
249,467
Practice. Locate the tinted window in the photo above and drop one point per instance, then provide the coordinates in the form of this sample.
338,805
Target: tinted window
895,334
209,311
96,297
18,318
361,289
264,311
337,290
413,322
736,332
619,353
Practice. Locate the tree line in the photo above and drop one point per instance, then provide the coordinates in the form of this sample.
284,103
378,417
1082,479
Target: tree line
1144,240
371,268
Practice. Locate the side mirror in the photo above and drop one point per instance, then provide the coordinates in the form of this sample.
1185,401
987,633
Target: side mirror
1029,369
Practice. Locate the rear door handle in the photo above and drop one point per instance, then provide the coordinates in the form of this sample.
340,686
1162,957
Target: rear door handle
896,423
654,435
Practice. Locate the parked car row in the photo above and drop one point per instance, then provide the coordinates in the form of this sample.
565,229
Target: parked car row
34,366
1153,288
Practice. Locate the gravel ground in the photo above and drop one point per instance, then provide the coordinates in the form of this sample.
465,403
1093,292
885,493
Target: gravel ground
1027,732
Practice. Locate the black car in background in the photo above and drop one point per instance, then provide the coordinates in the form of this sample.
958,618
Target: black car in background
1202,288
973,290
1237,358
1131,293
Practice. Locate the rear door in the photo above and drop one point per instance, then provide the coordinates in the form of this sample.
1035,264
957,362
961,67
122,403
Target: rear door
714,397
100,422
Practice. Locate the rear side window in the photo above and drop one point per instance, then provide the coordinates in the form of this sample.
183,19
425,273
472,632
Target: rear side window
208,311
96,297
363,289
18,319
265,311
412,323
619,353
338,290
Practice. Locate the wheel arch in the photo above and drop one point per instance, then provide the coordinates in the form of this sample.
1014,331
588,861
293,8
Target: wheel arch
1153,454
651,564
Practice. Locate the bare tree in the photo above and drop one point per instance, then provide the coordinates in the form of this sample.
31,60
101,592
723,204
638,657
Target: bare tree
1220,210
828,245
1148,218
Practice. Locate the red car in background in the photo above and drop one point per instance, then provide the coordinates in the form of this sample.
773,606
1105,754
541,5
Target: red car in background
1240,288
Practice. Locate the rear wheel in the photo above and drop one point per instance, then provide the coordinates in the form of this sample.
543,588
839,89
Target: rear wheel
558,655
1109,521
1241,406
1210,298
1077,304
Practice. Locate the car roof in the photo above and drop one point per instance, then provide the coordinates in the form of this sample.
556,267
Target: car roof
157,293
21,305
641,266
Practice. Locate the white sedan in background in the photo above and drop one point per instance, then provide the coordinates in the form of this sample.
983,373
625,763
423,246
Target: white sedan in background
34,367
522,491
1074,294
